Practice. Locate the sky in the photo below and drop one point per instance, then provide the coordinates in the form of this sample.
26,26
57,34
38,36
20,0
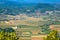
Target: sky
37,1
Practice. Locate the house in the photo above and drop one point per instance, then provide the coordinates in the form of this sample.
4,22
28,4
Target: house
14,27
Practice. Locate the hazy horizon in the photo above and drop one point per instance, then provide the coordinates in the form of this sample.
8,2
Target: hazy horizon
34,1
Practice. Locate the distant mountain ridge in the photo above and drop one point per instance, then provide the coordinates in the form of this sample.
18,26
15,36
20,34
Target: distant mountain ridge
15,8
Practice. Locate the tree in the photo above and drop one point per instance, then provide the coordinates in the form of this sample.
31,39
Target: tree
1,34
8,34
53,35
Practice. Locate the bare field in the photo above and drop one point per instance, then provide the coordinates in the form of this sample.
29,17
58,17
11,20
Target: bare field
19,22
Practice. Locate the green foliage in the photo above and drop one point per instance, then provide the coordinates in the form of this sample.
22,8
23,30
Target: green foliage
4,35
1,35
45,28
53,35
10,36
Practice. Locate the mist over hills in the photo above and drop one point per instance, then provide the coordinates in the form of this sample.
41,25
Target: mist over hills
15,8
